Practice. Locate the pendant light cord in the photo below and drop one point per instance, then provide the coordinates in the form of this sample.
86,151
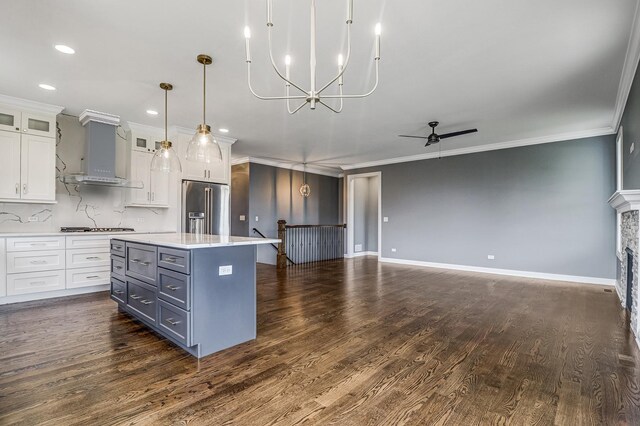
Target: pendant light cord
166,115
204,94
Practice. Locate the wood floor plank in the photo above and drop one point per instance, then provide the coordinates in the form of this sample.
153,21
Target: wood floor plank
348,342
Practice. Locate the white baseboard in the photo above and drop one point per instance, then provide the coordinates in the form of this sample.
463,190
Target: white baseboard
524,274
51,294
361,254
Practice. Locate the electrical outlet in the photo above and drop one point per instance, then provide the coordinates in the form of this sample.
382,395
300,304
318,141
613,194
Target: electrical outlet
358,247
386,219
257,218
393,250
632,148
491,257
242,218
140,219
225,270
33,218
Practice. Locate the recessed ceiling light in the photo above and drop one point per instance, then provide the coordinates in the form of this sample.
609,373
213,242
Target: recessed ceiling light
152,112
46,86
223,130
64,49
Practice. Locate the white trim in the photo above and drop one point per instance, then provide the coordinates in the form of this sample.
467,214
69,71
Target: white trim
99,117
628,70
287,165
509,272
624,201
361,254
32,106
350,211
620,159
490,147
51,294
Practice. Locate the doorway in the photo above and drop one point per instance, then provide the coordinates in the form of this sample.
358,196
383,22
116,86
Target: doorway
364,211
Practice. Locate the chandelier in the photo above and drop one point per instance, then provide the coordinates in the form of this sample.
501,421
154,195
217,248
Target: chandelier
314,95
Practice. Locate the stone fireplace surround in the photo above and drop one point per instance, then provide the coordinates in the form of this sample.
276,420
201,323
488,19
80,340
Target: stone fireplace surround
627,205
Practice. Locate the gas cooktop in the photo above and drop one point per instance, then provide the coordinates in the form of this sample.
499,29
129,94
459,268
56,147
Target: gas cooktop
87,229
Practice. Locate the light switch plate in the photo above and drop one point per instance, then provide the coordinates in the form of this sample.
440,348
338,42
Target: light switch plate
33,218
242,218
393,250
257,218
386,219
358,247
632,148
225,270
490,257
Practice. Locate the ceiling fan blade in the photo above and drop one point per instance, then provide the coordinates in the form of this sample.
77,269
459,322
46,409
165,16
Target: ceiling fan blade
416,137
462,132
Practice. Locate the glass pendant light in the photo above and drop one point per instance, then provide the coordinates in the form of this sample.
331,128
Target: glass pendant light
305,189
203,147
165,159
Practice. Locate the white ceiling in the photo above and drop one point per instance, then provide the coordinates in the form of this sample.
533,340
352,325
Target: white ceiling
514,69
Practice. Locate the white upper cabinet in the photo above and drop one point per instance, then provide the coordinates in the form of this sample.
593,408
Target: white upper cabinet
143,143
28,144
10,119
37,176
10,165
39,124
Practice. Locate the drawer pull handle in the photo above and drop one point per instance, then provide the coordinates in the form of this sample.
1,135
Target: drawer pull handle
173,287
171,259
172,321
117,247
93,258
37,283
135,297
140,262
118,291
92,277
146,302
38,262
118,267
37,244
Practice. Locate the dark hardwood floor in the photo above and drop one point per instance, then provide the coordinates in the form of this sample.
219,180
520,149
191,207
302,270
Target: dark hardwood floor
346,343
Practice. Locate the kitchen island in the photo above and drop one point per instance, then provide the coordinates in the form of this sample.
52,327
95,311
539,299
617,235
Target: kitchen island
199,291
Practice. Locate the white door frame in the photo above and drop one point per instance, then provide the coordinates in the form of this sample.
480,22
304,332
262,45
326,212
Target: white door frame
351,214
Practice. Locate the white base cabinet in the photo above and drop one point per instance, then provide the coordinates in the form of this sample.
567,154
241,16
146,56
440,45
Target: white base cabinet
35,282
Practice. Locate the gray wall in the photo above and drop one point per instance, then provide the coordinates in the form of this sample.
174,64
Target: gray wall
365,214
274,194
540,208
631,125
240,199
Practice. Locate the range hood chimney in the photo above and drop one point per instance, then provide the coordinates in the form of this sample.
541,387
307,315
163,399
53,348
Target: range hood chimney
99,167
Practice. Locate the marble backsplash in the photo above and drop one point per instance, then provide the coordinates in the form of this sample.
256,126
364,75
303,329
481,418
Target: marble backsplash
92,206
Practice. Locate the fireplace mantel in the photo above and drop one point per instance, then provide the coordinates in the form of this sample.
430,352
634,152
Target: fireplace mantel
624,201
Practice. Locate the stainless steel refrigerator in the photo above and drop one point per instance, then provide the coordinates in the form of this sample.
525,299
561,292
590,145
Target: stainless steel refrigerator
209,202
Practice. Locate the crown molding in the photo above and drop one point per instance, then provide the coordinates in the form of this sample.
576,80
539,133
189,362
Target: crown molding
624,201
287,165
143,128
99,117
25,104
482,148
628,70
188,131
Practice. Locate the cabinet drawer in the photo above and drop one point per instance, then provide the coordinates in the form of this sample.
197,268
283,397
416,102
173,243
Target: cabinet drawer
35,243
141,262
87,277
86,258
35,282
88,241
142,300
175,288
176,260
117,266
117,247
175,322
24,261
119,290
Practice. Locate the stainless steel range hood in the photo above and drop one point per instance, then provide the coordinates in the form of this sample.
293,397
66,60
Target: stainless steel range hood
99,165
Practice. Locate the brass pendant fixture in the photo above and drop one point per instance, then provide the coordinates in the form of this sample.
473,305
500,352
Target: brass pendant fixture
203,147
165,159
305,189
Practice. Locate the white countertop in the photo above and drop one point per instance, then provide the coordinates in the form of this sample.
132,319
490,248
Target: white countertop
194,241
69,234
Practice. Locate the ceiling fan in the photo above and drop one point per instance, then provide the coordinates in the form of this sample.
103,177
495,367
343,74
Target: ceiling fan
435,138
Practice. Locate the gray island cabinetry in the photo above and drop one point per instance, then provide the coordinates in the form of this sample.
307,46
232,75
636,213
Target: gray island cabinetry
199,291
